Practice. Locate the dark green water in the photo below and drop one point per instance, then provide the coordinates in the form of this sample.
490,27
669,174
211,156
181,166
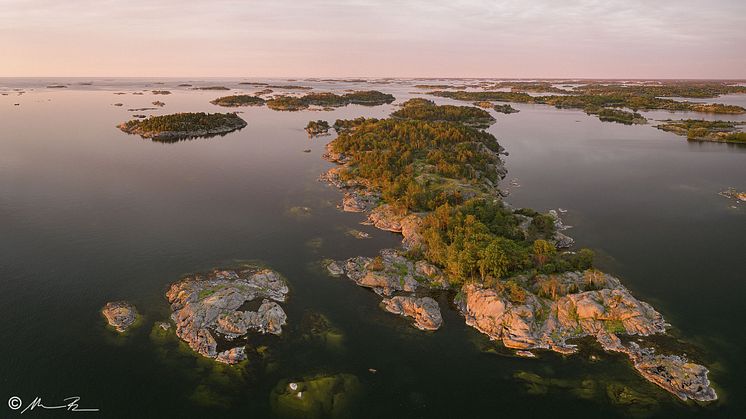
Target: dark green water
89,214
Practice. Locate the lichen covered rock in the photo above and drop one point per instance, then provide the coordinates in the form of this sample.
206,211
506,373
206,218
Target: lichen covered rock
210,305
425,310
120,315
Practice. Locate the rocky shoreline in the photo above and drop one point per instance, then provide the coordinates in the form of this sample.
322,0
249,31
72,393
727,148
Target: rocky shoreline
535,313
120,315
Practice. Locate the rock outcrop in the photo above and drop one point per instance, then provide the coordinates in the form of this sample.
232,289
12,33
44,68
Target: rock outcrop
673,373
574,305
425,310
120,315
211,305
390,272
393,275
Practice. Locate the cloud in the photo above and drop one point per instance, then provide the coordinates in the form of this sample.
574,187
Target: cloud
632,38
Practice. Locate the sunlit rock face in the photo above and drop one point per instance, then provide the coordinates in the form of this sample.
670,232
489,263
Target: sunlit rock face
208,306
581,304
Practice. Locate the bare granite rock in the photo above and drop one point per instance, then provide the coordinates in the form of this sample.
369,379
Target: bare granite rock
206,306
120,315
425,310
673,373
584,304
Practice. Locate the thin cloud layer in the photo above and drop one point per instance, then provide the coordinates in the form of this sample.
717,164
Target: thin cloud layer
539,38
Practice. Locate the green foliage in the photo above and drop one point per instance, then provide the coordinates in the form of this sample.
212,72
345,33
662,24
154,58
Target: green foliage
543,251
416,163
238,100
542,225
516,293
487,96
181,122
690,89
614,326
698,129
618,115
329,100
341,125
430,166
317,127
593,102
506,108
376,264
425,110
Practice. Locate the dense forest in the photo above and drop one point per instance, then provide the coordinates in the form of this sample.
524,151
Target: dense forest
426,110
238,100
698,129
449,172
329,100
594,101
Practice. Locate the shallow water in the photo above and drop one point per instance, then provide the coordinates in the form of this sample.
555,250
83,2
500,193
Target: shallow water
89,214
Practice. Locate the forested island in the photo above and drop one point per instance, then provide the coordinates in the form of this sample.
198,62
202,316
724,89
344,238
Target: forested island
436,180
179,126
426,110
701,130
618,115
329,100
316,128
505,108
593,102
238,100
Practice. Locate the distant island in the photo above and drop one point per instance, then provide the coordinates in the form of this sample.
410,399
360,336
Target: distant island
506,108
329,100
211,88
594,96
179,126
316,128
701,130
617,115
427,110
238,100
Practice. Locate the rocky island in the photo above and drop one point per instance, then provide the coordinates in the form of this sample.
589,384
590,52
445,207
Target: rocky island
701,130
120,315
317,128
179,126
215,312
437,183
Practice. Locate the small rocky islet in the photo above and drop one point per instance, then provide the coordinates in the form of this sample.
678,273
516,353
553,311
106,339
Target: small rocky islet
210,312
120,315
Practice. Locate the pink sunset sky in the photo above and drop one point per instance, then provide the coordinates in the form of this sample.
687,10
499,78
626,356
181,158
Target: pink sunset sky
374,38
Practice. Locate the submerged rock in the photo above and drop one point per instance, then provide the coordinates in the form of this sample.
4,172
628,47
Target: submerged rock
315,397
210,305
120,315
425,310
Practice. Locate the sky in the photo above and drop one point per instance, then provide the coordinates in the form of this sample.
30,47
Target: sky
374,38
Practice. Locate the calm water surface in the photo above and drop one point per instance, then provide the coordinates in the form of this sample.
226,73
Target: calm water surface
89,214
